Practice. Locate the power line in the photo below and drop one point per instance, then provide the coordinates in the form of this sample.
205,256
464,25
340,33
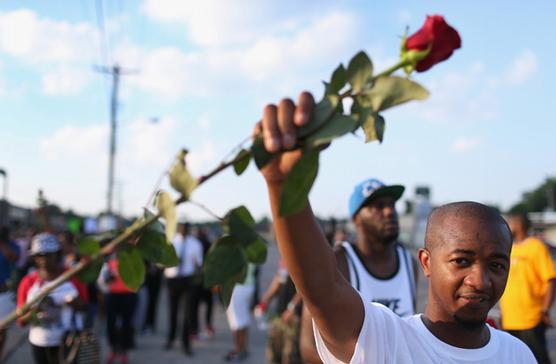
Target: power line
115,71
104,48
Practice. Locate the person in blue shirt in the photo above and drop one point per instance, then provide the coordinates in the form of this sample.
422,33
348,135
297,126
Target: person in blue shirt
9,253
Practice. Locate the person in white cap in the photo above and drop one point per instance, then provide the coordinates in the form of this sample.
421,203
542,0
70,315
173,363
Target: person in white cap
54,315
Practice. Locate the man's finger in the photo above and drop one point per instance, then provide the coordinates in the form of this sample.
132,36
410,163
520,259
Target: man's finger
305,105
285,123
271,132
257,129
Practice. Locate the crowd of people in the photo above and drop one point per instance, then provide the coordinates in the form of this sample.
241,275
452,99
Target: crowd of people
371,261
30,261
334,299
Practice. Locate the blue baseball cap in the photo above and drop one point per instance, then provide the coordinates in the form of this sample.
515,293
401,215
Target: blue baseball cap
371,189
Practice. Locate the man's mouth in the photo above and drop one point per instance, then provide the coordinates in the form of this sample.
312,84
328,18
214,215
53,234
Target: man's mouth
475,298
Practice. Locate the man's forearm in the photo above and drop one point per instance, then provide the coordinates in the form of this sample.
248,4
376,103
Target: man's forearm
333,303
309,259
549,297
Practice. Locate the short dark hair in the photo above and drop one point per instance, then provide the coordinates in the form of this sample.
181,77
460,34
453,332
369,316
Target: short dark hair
523,219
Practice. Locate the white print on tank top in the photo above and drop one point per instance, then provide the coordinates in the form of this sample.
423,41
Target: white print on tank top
396,292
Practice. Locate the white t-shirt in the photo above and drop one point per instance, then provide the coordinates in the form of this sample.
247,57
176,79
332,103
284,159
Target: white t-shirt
55,316
387,338
190,252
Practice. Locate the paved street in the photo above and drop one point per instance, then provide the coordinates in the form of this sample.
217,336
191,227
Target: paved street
150,347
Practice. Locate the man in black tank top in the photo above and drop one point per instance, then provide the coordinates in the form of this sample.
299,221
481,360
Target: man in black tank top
373,212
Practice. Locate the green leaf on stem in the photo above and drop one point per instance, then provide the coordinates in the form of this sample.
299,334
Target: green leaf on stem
227,288
154,248
260,154
359,72
322,112
256,251
373,125
336,127
88,247
167,209
180,178
389,91
337,81
131,268
298,183
243,159
156,225
90,274
225,259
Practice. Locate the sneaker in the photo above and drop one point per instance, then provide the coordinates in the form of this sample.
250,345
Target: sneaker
234,356
187,351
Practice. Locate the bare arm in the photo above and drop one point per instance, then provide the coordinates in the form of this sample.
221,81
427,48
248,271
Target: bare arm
272,290
336,307
307,341
548,301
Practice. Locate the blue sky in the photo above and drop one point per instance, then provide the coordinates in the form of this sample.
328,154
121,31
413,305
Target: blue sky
206,69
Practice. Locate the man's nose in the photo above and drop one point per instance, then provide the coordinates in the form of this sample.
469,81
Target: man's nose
479,278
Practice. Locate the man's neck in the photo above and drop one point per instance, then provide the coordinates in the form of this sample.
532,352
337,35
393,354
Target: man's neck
455,333
520,238
372,248
380,259
47,275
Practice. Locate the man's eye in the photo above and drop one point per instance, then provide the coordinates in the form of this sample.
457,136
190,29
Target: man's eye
498,266
461,261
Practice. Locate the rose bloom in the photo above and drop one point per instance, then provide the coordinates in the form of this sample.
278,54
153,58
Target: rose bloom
442,38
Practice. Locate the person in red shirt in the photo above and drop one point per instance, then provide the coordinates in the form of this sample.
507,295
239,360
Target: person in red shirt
56,313
120,304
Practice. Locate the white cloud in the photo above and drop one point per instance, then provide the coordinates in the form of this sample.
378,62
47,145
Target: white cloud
283,61
459,97
26,36
464,144
523,68
218,22
204,122
61,52
202,158
2,84
147,142
64,81
76,143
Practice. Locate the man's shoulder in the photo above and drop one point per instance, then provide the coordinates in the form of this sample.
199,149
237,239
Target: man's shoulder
512,345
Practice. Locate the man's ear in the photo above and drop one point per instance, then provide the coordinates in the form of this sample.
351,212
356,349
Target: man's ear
425,260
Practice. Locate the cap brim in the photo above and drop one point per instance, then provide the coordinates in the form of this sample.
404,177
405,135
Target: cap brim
395,191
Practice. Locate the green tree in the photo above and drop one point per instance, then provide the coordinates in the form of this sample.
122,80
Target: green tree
538,199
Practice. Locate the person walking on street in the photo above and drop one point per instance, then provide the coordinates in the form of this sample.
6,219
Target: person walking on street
181,285
9,255
284,331
239,315
525,305
120,304
56,314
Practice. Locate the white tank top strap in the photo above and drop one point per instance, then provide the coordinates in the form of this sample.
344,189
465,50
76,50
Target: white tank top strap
351,258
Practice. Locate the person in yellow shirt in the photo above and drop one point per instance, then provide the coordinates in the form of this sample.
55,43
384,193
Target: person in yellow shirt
525,304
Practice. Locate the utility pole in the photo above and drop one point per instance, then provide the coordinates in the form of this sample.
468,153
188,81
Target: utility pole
115,71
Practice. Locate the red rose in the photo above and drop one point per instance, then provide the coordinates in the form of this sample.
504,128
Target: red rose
442,38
